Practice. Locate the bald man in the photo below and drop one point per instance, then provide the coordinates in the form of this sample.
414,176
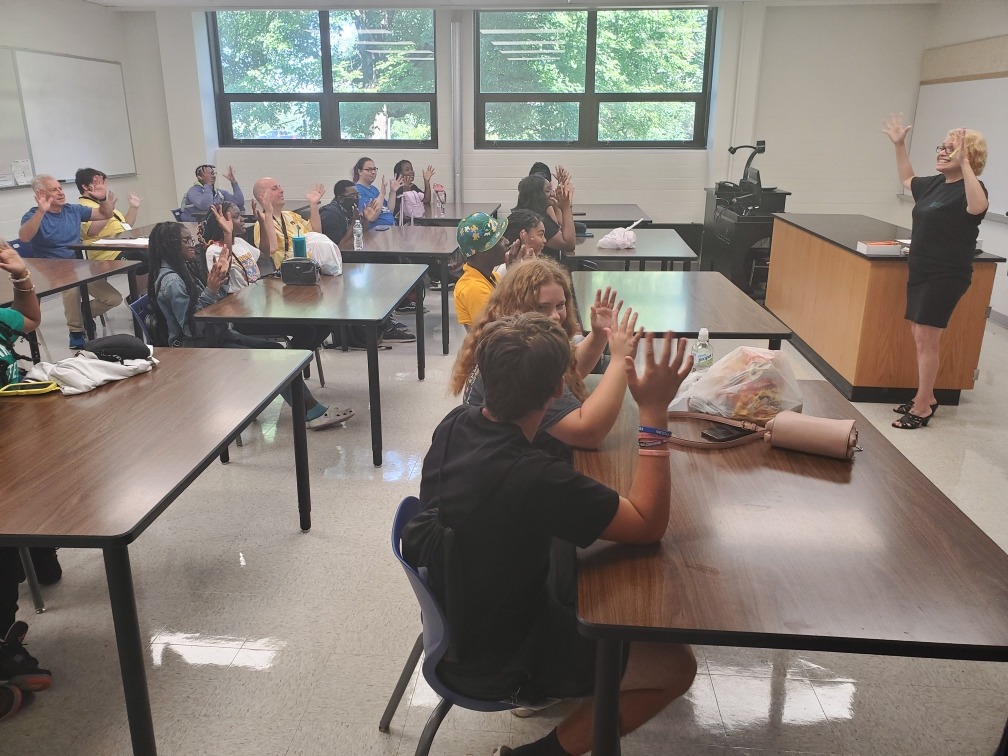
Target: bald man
268,193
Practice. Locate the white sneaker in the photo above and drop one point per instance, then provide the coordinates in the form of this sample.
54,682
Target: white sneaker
332,416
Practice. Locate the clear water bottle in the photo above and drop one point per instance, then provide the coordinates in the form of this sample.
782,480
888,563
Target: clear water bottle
358,236
703,355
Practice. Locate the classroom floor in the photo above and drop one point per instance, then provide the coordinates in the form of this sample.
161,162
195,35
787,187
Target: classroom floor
265,640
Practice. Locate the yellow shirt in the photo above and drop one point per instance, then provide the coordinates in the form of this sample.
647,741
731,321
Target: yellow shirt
294,225
472,291
113,226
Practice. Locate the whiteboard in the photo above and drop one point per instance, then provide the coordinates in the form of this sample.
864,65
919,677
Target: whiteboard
981,105
75,112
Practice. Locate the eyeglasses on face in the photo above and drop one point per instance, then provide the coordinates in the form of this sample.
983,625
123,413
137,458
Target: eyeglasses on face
371,168
188,241
949,148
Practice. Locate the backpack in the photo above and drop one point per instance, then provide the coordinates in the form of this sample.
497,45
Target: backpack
9,370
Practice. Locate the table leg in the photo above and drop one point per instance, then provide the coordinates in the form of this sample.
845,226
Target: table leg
443,272
640,265
626,265
687,265
608,659
301,451
134,294
421,354
775,343
374,392
32,339
86,312
664,265
131,655
33,585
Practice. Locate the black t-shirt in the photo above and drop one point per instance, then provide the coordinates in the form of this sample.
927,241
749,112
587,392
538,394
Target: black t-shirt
504,501
943,239
334,221
552,229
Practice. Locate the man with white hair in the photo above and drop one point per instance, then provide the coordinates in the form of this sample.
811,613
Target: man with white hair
51,227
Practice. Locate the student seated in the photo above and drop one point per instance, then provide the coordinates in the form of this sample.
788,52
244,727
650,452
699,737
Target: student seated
536,194
202,195
420,199
339,215
178,295
575,418
364,174
492,505
527,228
276,228
93,192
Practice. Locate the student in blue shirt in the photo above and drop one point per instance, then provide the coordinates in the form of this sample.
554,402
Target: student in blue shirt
51,227
364,174
197,201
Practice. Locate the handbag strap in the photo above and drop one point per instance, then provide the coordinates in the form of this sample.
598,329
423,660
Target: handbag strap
758,431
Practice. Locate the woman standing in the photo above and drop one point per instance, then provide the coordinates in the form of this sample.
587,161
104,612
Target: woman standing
946,220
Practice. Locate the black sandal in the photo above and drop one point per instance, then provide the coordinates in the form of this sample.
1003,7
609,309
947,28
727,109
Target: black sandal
904,409
910,421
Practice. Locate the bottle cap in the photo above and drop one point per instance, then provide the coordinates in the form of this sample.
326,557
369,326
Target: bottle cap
704,335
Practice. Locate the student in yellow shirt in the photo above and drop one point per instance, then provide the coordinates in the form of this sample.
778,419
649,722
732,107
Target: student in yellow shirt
91,183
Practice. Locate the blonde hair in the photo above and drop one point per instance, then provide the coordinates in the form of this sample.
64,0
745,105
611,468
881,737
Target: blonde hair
976,149
517,293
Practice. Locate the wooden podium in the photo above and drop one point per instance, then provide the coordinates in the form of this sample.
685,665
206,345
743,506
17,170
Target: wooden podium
846,308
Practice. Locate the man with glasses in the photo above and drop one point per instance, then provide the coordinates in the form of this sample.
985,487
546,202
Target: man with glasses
204,193
51,227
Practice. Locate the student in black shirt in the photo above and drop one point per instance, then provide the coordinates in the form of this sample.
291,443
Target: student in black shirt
493,503
338,216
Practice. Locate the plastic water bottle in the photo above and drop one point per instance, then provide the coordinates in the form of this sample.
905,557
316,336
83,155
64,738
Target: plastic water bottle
703,355
358,236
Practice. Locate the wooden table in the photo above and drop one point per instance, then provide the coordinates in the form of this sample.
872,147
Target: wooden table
777,549
602,215
51,275
435,245
684,303
847,308
47,501
364,295
663,245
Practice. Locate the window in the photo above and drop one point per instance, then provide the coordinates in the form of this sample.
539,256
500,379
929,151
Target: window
333,78
620,78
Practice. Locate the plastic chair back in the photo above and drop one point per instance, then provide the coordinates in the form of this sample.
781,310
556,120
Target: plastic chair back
23,248
140,307
177,212
435,625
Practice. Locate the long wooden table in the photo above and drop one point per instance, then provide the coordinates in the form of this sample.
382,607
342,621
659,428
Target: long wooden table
48,501
662,245
435,245
777,549
364,295
51,276
684,303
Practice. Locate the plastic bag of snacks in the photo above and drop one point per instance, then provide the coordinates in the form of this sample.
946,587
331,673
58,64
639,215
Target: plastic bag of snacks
746,384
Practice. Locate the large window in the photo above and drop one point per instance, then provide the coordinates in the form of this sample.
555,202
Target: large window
332,78
620,78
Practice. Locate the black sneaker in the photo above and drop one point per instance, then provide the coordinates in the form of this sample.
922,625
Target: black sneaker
10,701
397,332
17,666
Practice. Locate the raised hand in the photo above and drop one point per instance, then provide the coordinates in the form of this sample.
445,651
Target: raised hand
657,386
517,253
225,221
314,194
135,200
267,205
604,309
218,274
372,210
384,187
893,128
257,211
44,200
958,154
562,175
623,339
428,173
11,261
564,196
230,175
395,186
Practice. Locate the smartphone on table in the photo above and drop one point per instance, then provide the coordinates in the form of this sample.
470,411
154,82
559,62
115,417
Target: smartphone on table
723,433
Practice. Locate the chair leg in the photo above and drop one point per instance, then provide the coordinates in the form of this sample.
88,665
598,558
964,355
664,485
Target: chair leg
430,730
400,686
33,584
318,364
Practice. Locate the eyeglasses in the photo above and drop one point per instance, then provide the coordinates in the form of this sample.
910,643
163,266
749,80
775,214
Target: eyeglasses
949,148
372,168
188,241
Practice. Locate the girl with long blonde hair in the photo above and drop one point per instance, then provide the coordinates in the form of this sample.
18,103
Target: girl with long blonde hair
575,419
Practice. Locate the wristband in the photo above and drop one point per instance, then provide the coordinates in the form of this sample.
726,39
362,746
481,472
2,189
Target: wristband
655,431
647,443
25,291
25,277
654,452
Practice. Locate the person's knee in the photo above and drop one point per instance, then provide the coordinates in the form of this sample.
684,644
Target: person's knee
664,666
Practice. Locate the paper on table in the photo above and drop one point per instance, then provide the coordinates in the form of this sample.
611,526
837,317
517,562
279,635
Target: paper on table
140,241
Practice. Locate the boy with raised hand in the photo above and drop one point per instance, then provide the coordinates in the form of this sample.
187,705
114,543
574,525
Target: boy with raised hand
493,504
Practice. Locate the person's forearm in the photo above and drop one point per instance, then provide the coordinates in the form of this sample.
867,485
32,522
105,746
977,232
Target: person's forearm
131,216
314,218
567,229
200,198
651,490
589,351
903,166
976,200
95,227
31,226
27,303
588,426
428,194
237,196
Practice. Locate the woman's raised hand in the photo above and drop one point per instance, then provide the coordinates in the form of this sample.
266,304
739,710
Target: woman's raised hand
218,274
604,309
428,173
623,339
226,224
893,128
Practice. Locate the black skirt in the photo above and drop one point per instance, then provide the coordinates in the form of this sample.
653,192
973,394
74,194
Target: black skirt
931,301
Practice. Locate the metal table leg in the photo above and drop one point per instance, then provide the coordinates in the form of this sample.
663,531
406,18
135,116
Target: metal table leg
33,583
301,451
607,682
88,323
420,349
374,392
443,272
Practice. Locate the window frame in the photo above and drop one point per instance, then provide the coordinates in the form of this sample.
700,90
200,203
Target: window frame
328,100
589,101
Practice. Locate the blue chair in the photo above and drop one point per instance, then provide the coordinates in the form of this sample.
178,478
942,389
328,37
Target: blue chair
432,642
177,212
140,307
23,248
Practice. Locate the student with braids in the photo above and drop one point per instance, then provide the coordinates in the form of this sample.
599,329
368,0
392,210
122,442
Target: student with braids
575,418
178,295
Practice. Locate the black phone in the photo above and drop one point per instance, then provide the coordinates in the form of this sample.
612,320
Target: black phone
724,433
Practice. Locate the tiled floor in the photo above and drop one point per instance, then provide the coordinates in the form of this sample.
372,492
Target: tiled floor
264,640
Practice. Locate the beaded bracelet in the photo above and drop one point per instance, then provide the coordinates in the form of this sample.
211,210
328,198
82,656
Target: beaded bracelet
655,431
654,452
25,277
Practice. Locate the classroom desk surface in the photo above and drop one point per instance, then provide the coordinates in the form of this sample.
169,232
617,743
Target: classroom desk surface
609,214
47,500
663,245
433,244
777,549
454,212
364,295
684,303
